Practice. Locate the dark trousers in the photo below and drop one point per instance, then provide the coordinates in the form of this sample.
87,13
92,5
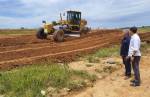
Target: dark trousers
127,63
135,65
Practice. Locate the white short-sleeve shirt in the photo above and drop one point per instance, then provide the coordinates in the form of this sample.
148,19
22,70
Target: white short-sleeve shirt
134,47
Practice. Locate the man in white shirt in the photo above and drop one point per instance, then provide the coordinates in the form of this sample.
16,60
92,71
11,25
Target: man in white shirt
135,54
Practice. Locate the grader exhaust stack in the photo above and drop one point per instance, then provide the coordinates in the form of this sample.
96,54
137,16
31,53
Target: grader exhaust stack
73,24
60,17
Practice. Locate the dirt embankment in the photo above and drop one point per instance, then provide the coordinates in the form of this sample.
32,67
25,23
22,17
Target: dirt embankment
27,49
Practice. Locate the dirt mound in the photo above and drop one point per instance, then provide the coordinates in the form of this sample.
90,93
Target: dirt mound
27,49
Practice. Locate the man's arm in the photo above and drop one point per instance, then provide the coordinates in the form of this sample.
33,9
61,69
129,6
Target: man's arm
130,53
135,46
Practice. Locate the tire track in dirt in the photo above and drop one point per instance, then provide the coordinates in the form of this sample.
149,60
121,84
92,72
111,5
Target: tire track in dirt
45,45
50,43
31,60
45,50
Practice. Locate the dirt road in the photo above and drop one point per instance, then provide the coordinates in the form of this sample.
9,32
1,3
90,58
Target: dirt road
21,50
115,86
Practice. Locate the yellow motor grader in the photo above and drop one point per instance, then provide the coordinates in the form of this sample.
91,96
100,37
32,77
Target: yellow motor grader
72,25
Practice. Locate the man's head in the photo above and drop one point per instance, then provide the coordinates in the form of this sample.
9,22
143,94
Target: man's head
126,33
133,29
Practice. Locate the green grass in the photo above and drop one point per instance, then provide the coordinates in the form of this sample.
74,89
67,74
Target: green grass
144,29
145,48
112,51
102,53
29,81
93,59
16,31
107,52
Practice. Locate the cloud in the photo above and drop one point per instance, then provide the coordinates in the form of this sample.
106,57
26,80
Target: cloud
103,13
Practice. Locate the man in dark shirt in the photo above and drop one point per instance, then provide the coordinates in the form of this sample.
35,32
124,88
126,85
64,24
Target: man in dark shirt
124,53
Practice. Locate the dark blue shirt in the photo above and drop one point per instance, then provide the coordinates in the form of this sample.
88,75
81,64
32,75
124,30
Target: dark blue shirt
125,46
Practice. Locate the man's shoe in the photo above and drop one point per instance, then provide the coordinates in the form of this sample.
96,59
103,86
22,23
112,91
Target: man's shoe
135,84
132,81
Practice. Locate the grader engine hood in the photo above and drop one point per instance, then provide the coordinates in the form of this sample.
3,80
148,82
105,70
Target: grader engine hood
48,28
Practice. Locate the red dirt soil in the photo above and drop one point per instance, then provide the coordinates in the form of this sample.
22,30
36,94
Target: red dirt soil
27,49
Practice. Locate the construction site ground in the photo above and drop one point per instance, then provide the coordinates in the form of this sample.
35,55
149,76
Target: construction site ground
20,50
115,85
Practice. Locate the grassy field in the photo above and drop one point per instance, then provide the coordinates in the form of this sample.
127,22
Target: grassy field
29,81
144,29
16,31
102,53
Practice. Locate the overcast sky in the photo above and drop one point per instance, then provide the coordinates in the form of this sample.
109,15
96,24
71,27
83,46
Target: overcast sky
99,13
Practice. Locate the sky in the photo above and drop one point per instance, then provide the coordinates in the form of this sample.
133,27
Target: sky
98,13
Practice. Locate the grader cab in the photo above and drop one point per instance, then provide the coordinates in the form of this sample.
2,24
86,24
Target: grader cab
73,24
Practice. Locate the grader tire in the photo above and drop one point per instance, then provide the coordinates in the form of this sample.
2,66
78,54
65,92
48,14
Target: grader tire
84,31
58,36
40,34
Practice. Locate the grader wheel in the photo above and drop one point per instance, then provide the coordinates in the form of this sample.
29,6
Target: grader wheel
84,31
58,36
40,34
